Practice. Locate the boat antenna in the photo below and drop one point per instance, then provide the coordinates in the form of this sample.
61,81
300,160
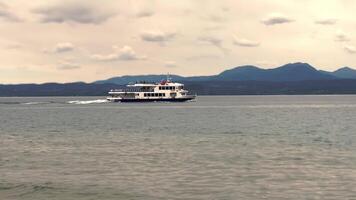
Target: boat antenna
168,77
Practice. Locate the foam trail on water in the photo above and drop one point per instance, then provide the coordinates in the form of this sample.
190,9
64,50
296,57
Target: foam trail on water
88,102
35,103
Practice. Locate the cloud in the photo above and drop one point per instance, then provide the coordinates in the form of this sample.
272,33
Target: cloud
276,18
85,12
126,53
342,36
142,9
212,40
350,49
65,65
145,13
245,42
157,36
170,64
7,15
60,48
63,47
326,21
218,15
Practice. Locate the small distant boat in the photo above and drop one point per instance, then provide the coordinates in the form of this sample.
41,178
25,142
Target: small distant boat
166,90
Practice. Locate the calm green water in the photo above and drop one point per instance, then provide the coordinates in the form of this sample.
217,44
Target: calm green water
233,147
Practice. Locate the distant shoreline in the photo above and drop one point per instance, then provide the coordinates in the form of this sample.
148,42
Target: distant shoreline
314,87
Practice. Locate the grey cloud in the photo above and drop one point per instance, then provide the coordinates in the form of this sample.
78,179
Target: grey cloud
157,36
326,21
245,42
126,53
350,49
80,12
63,47
143,9
214,41
68,66
145,13
7,15
276,18
60,48
342,36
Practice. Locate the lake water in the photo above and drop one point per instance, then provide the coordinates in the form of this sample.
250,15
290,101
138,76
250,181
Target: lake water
218,147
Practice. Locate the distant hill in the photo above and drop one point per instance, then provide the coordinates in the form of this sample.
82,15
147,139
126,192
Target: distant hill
243,73
345,73
335,86
288,72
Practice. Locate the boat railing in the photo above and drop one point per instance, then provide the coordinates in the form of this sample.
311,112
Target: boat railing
142,82
132,90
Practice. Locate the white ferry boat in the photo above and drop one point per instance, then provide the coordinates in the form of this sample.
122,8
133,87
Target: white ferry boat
150,92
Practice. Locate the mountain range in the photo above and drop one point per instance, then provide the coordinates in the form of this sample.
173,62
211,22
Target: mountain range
289,72
292,78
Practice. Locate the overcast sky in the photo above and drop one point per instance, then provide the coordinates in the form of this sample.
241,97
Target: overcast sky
82,40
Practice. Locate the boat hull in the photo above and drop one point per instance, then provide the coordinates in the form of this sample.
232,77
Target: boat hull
153,100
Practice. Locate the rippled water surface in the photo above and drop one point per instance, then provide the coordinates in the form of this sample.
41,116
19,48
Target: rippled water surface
224,147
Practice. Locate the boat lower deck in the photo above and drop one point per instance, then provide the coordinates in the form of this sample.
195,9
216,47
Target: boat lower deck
154,100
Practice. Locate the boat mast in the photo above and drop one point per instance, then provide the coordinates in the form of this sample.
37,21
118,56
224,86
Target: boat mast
168,78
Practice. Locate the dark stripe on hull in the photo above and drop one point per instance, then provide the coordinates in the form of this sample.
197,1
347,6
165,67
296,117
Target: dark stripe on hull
154,100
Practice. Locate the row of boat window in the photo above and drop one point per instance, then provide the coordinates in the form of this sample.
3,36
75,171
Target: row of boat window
170,87
154,95
167,88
